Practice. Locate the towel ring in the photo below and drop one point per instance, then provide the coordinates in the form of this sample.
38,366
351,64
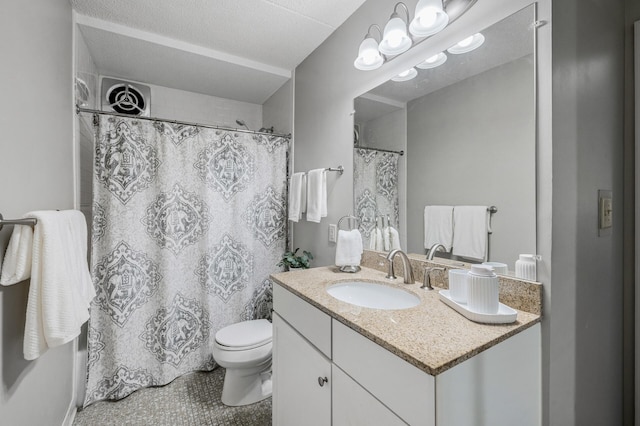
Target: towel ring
349,217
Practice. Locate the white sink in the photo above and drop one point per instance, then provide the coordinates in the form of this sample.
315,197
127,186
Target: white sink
370,295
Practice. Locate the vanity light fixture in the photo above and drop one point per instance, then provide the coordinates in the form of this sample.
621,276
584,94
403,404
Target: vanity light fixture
369,57
430,18
395,39
467,45
409,74
433,61
402,33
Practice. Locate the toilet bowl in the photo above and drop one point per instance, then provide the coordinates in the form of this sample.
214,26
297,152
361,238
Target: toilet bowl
244,349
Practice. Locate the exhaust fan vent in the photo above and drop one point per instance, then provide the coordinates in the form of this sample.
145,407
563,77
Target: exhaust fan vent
125,97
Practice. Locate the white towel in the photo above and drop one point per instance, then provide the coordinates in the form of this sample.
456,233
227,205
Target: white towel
297,196
394,238
16,266
375,240
349,248
470,231
316,195
438,226
61,287
386,239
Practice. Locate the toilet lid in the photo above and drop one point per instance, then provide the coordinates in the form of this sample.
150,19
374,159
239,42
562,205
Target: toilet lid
246,333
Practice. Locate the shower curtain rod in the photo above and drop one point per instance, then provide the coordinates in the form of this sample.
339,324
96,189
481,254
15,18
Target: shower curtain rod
185,123
379,149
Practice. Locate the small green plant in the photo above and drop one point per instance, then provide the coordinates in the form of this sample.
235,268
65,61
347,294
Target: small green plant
290,259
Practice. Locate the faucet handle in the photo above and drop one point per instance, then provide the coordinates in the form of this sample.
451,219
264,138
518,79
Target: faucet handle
426,282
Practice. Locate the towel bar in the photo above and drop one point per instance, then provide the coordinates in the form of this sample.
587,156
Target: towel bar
28,222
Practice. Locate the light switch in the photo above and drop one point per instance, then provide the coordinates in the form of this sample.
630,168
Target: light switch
333,233
606,212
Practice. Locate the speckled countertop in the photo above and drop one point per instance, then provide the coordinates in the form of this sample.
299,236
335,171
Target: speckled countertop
431,336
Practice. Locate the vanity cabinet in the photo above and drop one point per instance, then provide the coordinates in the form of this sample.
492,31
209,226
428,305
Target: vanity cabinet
367,384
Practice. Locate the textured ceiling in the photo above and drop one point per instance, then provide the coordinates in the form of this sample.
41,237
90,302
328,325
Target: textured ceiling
278,33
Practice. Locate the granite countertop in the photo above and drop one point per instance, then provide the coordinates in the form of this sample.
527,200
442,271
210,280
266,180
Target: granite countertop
431,336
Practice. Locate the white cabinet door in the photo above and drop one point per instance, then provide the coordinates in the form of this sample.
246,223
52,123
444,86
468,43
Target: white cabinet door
301,396
354,406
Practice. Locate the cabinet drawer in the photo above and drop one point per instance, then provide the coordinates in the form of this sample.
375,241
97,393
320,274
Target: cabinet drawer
406,390
308,320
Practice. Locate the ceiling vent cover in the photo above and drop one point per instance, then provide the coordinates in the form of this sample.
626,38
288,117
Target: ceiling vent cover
125,97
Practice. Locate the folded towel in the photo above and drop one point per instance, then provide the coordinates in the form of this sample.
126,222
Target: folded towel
316,195
349,248
16,266
297,196
471,231
375,240
438,226
394,238
61,287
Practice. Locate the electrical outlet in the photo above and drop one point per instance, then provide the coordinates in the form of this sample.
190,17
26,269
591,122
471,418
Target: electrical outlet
333,233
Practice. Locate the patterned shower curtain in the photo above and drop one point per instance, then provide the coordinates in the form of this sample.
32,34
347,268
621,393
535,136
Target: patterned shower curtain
375,187
188,223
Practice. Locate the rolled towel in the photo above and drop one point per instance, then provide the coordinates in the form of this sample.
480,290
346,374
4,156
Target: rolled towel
375,240
16,266
386,239
394,238
348,248
316,195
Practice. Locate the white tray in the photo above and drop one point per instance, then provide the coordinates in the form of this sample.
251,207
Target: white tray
505,314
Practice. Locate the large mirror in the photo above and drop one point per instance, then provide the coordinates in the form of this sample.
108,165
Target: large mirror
467,131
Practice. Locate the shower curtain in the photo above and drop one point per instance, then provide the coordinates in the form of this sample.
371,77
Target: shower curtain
375,188
188,223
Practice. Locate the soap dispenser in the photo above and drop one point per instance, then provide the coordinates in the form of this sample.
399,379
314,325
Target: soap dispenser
526,266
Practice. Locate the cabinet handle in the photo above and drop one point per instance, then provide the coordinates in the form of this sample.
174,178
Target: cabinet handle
322,381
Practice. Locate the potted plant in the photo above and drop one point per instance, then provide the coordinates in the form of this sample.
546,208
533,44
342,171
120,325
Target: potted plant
291,260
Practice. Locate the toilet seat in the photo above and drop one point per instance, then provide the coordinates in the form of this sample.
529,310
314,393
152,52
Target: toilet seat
245,335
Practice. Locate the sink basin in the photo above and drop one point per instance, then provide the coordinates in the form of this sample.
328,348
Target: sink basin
370,295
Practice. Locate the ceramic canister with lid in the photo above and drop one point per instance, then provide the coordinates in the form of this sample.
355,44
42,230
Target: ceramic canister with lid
483,290
526,266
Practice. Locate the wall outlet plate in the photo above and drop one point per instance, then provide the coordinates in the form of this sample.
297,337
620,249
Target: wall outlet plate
605,212
333,233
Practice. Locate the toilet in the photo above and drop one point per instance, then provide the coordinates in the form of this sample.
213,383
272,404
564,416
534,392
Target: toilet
244,349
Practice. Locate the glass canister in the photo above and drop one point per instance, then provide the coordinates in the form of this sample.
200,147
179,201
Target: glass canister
483,290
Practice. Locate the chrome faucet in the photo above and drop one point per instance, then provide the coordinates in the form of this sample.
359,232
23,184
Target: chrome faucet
434,248
406,265
426,283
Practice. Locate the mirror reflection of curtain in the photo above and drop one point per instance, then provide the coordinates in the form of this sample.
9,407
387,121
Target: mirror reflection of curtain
188,223
375,177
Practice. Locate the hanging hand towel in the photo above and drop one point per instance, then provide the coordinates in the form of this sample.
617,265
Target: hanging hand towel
348,248
394,238
375,240
61,287
386,239
16,266
297,196
470,231
316,195
438,226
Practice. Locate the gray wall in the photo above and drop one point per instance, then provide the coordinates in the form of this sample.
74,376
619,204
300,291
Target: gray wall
36,171
277,111
586,298
473,143
631,329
